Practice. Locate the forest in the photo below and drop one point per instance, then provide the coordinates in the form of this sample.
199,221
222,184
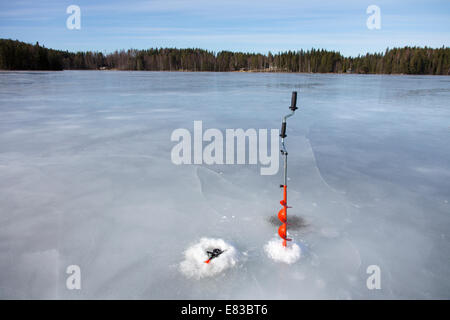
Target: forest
17,55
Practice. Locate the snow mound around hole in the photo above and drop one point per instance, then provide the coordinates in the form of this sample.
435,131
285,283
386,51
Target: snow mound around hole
275,250
194,266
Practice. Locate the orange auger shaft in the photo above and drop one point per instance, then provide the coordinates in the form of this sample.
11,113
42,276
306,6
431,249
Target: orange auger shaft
282,214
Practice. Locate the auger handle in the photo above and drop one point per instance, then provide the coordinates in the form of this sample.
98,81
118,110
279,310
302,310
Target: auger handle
283,130
293,106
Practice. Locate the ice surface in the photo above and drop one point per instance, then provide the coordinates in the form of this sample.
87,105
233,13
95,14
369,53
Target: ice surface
86,179
276,251
194,266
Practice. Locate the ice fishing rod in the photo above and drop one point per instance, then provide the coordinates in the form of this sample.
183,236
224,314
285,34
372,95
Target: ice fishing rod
282,214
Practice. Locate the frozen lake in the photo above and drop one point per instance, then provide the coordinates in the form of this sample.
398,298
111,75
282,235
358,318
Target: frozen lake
86,179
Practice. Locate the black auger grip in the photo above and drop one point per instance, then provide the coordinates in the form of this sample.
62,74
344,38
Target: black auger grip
293,106
283,130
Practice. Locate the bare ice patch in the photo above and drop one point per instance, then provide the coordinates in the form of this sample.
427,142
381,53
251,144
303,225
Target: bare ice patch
194,266
275,250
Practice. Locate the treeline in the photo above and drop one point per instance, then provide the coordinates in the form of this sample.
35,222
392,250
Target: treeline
16,55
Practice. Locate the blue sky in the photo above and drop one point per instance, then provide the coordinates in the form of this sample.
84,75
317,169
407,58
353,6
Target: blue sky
250,26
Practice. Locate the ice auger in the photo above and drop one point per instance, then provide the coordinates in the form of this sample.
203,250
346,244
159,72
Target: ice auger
282,214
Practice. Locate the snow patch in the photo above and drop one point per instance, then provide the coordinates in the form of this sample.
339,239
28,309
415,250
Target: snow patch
275,250
194,266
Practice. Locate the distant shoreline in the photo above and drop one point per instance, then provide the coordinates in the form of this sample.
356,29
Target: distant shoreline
17,55
246,72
